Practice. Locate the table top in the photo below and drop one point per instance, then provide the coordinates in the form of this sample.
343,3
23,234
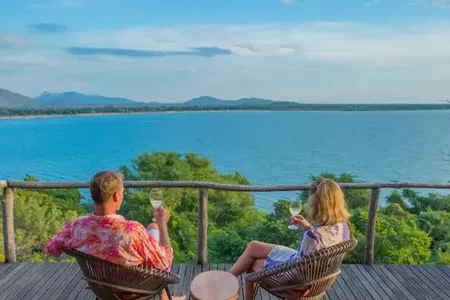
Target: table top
215,285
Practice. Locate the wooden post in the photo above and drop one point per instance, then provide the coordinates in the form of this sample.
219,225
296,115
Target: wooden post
203,227
8,225
371,221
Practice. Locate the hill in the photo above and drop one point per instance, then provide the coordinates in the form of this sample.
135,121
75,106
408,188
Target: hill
75,99
15,100
215,102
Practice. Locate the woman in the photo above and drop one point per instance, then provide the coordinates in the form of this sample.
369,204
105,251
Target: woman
326,207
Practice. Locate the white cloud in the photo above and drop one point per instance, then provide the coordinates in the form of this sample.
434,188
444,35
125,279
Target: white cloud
440,3
345,62
56,4
371,2
433,3
288,1
323,42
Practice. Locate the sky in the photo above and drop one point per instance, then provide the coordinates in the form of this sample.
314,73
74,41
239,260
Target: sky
315,51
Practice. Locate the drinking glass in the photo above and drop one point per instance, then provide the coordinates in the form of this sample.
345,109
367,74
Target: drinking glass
295,207
156,197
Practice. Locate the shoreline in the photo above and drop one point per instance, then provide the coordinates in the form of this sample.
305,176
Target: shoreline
96,114
114,114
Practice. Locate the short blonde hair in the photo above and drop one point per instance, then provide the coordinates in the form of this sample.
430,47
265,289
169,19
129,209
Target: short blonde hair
104,184
326,203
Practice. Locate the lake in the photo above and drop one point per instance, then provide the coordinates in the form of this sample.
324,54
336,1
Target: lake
267,147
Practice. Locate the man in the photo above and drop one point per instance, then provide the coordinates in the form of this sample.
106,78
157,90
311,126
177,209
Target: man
109,236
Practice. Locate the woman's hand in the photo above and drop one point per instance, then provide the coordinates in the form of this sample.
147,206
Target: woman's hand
301,222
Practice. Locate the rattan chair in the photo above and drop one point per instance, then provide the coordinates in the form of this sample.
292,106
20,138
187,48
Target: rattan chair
316,273
109,281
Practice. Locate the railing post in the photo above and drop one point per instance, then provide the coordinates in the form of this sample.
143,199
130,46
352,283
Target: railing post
371,222
8,224
203,227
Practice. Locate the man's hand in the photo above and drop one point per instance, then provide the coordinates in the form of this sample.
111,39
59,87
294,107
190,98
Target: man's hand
161,216
301,222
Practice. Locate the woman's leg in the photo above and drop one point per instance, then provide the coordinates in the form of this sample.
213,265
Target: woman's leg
254,251
250,287
163,296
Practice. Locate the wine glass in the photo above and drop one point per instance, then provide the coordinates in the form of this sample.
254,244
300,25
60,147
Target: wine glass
156,197
295,207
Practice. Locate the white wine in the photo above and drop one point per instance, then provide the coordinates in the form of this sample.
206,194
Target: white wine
295,211
156,203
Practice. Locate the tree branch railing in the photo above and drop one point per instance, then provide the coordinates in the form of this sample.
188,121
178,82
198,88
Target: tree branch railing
8,204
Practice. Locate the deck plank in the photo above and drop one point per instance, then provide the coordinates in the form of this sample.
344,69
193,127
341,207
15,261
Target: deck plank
406,282
427,289
22,282
175,269
360,284
14,279
375,285
177,291
389,288
52,277
429,282
63,281
352,292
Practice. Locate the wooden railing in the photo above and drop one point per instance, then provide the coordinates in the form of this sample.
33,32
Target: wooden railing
8,204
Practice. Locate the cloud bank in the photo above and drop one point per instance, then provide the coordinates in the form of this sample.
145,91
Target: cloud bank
48,28
313,62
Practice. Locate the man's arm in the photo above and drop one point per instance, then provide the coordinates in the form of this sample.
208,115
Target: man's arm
156,255
159,255
56,244
164,239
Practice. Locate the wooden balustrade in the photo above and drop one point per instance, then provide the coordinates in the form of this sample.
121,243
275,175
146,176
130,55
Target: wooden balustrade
8,204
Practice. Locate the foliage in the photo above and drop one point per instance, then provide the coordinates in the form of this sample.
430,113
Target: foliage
398,240
411,228
36,218
354,198
65,199
278,105
225,209
443,258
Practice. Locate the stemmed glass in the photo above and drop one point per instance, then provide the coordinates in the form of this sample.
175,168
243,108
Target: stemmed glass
295,207
156,197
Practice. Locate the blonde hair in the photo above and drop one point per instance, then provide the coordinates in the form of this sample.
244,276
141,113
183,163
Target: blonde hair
326,203
104,184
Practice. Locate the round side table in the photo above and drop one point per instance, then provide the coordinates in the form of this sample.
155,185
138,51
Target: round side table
215,285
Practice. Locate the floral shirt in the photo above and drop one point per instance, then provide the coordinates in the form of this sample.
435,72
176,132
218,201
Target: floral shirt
112,238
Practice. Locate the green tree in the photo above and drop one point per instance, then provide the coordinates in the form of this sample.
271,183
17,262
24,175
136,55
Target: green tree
398,240
36,219
355,198
226,210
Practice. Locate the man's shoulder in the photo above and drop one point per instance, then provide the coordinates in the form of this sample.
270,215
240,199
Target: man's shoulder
133,225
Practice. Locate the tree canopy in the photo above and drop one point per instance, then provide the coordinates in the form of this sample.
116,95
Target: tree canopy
411,228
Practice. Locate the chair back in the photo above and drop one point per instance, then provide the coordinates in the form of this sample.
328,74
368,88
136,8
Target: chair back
111,281
314,273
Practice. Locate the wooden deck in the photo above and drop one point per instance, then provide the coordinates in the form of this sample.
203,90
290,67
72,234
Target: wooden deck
62,281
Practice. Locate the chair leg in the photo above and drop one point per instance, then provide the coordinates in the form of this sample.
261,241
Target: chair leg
257,287
169,295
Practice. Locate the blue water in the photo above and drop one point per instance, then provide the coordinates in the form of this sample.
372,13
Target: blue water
267,147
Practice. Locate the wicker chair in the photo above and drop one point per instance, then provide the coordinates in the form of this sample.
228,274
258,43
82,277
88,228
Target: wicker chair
109,281
314,273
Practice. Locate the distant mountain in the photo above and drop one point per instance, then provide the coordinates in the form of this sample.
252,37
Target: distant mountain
215,102
74,99
14,100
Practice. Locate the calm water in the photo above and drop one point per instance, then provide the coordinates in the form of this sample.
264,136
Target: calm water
267,147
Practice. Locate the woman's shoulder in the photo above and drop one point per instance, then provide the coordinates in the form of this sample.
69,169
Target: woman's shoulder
338,231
